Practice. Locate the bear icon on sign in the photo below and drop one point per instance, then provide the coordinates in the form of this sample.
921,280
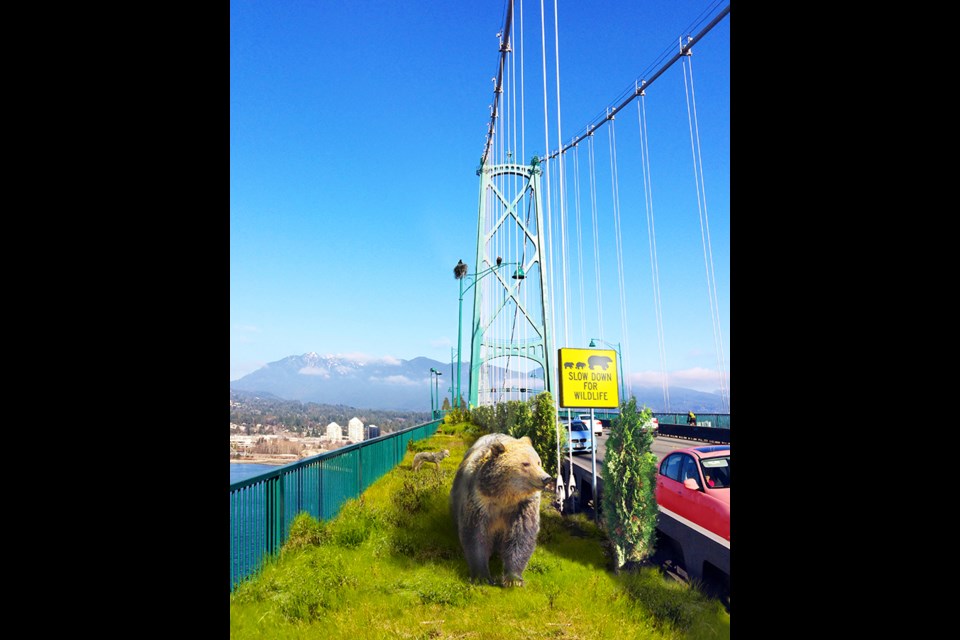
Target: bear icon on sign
599,361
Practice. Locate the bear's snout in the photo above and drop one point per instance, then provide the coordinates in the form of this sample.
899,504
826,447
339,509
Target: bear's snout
546,481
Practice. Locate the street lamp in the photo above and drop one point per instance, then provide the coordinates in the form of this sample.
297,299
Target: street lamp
622,385
435,390
459,273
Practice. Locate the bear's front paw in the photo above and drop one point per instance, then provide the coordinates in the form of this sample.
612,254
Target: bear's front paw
512,581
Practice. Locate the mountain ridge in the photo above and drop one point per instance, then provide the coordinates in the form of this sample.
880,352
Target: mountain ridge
404,385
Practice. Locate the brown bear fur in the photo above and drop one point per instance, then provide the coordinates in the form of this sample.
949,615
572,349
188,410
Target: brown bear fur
495,503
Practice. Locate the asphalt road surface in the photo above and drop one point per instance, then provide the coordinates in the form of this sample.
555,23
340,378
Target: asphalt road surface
662,445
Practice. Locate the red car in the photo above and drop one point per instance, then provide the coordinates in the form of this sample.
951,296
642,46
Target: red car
694,484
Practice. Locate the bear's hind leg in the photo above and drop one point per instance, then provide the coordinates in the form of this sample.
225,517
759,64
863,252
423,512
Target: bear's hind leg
479,563
478,551
515,559
515,552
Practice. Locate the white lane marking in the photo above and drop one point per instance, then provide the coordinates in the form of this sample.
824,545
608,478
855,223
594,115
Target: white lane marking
696,527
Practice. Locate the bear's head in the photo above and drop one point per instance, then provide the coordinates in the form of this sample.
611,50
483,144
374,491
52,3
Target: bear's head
518,467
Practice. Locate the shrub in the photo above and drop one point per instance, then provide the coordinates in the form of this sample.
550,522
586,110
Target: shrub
543,431
355,523
416,492
629,499
520,420
305,530
456,416
484,418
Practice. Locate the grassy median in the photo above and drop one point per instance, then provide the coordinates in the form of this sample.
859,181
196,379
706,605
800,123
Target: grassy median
390,566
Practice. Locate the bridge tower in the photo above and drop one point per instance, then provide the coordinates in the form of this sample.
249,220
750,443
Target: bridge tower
512,351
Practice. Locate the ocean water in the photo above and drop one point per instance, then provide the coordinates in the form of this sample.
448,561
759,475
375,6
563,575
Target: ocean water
243,470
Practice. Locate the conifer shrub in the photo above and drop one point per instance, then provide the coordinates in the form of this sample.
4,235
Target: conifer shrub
520,420
543,433
629,500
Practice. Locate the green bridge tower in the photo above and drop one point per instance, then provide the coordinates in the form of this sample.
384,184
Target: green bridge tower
512,351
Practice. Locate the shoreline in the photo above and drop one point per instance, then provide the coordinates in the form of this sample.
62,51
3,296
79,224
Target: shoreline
265,459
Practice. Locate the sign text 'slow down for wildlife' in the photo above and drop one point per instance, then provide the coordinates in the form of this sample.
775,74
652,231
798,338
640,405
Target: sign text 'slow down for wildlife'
588,378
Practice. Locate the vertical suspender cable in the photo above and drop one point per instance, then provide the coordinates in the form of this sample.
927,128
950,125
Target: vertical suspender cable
705,225
523,107
615,181
596,234
652,237
576,186
546,148
561,201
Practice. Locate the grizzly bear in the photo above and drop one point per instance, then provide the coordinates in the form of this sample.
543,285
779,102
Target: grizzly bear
495,503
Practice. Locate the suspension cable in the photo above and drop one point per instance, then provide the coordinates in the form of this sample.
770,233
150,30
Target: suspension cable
615,182
652,237
596,233
576,186
498,88
704,223
637,87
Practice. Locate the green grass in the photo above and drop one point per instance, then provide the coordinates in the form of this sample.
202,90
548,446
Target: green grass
390,566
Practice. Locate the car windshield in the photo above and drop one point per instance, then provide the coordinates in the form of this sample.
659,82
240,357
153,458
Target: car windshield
716,472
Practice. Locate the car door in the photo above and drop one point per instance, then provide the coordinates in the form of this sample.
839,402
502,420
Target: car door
673,495
668,481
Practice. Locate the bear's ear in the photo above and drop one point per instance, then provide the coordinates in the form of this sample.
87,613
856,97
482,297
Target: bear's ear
497,448
526,440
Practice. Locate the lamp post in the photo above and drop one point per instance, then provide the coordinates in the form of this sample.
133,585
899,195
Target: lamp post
460,272
623,382
435,391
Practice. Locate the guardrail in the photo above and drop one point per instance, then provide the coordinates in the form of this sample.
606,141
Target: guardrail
721,420
262,507
690,432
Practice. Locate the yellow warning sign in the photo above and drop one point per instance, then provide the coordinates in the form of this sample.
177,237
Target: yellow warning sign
588,378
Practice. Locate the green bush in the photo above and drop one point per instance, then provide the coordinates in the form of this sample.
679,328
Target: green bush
544,431
456,416
355,523
484,420
520,420
305,530
417,491
629,500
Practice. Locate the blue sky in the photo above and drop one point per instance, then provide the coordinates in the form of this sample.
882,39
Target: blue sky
355,132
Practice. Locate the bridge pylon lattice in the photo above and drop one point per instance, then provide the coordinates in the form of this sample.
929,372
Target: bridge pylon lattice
511,345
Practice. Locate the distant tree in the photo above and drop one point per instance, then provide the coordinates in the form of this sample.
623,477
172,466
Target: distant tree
446,403
629,485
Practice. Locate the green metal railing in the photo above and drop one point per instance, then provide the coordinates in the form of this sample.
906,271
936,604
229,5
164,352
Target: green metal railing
721,420
262,507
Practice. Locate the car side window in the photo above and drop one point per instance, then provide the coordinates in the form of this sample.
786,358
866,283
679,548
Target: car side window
689,469
671,466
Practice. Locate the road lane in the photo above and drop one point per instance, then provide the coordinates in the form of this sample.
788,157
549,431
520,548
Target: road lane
662,445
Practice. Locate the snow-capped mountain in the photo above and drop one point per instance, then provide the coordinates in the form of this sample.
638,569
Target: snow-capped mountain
361,382
403,385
